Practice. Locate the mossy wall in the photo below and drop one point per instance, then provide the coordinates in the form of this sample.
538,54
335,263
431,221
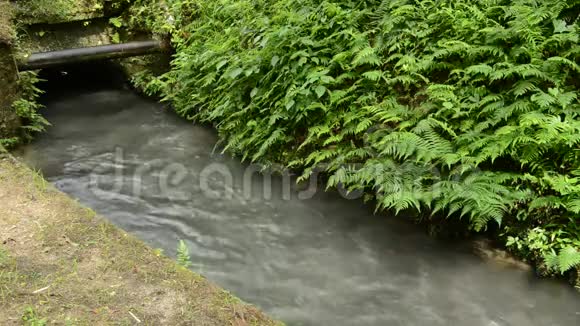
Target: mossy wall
9,121
60,36
6,30
58,11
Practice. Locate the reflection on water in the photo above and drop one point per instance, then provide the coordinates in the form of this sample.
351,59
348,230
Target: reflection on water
320,261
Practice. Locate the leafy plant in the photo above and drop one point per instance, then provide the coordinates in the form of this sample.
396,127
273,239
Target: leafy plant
117,22
564,260
7,143
27,105
183,258
31,318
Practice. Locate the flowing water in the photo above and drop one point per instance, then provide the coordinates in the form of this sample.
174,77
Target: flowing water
324,260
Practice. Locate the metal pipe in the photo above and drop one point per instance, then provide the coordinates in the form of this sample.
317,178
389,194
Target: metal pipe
56,58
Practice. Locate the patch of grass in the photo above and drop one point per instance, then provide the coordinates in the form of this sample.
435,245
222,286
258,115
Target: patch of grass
31,318
8,276
4,258
39,180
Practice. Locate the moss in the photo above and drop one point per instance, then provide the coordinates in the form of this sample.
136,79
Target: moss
9,121
6,28
56,11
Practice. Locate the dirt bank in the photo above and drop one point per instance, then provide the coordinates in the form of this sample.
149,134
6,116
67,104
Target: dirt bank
61,263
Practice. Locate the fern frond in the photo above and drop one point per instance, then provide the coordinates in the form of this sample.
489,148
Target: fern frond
563,261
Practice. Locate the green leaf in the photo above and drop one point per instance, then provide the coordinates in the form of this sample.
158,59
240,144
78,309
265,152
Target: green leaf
480,69
116,21
235,73
565,260
116,38
221,64
560,26
543,99
320,90
374,75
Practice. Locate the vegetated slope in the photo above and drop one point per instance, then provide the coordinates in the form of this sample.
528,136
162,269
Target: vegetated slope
465,108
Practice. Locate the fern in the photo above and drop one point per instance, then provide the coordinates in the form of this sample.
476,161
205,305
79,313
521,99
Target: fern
564,260
183,258
27,107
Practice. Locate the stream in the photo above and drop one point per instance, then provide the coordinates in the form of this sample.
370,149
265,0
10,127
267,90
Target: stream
304,257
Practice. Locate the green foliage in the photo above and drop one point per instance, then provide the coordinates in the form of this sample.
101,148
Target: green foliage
554,244
4,258
183,258
564,260
465,108
153,16
31,318
117,22
8,143
27,106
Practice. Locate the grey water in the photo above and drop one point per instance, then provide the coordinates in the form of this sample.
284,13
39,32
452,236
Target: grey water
325,260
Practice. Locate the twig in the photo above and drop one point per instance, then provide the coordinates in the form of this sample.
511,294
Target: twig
135,317
41,290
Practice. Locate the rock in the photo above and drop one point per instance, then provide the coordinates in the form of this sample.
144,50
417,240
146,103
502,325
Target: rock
574,278
485,249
